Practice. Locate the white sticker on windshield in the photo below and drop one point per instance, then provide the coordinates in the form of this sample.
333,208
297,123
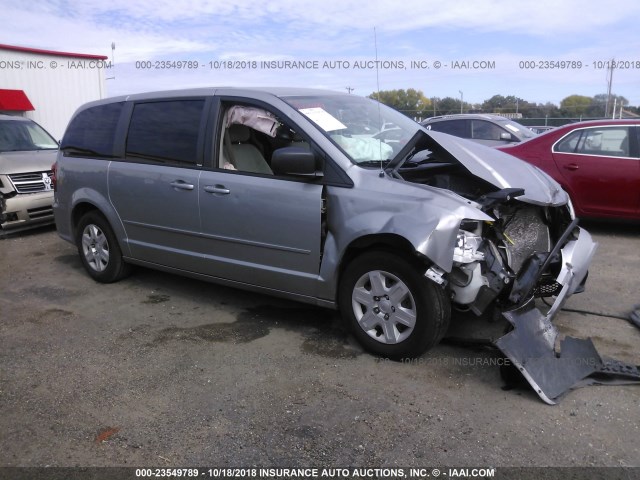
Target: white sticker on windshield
323,119
512,128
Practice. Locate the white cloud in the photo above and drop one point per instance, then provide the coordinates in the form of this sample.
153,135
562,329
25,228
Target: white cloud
250,22
337,29
539,18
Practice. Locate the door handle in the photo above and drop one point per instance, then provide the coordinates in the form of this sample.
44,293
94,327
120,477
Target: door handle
179,184
217,189
571,166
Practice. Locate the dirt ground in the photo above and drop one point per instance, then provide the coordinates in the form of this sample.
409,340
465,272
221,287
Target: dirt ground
161,371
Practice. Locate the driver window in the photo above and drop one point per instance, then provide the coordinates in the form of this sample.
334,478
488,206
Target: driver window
482,130
249,138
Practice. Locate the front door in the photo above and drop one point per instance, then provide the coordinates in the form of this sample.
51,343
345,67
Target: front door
261,231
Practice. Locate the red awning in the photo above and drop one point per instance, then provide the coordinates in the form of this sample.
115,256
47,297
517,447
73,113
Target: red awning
14,100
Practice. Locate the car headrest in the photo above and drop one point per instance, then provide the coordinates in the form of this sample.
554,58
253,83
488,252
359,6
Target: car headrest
239,133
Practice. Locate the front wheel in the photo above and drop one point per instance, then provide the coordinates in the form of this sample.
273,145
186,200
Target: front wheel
99,250
391,308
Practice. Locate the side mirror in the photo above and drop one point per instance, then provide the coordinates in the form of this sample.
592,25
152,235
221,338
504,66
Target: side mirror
506,136
297,161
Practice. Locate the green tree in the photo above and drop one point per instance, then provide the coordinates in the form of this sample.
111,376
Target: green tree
448,106
411,102
538,110
500,104
599,103
496,104
575,105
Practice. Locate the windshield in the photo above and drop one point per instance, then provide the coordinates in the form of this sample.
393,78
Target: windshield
20,136
368,132
519,129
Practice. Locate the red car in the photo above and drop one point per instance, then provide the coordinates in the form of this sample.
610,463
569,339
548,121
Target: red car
596,162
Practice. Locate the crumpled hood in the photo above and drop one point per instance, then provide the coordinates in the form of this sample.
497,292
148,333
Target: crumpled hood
503,170
28,161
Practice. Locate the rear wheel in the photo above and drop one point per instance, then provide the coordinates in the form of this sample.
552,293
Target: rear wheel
390,306
99,250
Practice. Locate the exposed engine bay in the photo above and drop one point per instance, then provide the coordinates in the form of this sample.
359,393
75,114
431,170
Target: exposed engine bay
526,251
489,254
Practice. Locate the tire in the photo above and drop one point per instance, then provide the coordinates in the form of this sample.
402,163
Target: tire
99,250
391,308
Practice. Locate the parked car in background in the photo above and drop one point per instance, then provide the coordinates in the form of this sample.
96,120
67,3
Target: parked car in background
27,152
540,128
490,130
596,162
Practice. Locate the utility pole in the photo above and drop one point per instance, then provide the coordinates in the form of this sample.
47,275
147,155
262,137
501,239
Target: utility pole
609,84
113,61
621,105
461,100
349,89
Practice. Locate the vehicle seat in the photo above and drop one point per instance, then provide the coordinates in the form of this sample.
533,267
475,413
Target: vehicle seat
245,156
624,146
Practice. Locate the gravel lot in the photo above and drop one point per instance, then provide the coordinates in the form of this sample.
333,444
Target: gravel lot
160,371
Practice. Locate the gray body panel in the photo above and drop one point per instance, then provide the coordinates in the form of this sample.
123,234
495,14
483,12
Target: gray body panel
264,231
503,171
161,221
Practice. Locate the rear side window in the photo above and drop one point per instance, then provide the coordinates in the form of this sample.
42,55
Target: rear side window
610,142
166,132
91,133
569,143
452,127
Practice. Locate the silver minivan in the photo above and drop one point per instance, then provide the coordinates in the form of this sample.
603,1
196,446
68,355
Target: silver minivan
269,190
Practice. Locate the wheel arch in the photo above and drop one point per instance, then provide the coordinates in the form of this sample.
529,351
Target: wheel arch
89,200
390,242
79,211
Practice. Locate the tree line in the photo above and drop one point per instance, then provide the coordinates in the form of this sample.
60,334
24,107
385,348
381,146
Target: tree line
414,103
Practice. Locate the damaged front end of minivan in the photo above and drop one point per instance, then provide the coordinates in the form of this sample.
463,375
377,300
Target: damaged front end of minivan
528,246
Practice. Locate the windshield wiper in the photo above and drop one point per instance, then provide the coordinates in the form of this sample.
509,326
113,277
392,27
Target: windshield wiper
373,163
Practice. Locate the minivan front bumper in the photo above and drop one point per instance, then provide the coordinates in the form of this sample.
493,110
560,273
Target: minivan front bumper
552,368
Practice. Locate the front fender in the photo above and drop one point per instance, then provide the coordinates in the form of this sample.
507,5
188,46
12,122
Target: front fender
430,223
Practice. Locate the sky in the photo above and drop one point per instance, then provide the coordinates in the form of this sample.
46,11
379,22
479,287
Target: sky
540,51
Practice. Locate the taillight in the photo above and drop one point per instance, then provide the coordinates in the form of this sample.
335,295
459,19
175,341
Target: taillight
54,172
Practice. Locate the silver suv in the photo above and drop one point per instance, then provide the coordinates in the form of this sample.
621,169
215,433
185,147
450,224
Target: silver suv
27,152
486,129
269,190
